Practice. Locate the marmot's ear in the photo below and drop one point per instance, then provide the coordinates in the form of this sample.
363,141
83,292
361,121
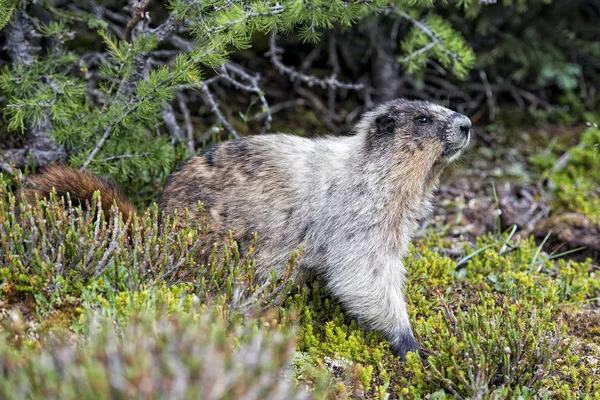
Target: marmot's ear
386,125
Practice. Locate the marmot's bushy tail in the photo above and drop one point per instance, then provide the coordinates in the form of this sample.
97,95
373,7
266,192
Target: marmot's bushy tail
80,186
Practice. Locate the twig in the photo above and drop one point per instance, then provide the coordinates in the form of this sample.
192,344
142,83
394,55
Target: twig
320,108
139,12
188,123
171,124
335,65
488,94
97,148
105,136
310,58
426,30
423,49
253,87
274,109
274,55
215,109
167,29
530,226
126,155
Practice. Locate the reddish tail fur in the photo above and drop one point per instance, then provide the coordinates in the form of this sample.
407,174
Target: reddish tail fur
80,186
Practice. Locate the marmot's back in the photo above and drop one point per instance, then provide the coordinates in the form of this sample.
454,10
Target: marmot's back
247,185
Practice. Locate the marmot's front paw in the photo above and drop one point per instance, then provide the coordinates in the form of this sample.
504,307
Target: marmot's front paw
403,344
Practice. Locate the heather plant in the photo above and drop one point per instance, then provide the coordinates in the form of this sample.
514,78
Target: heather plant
153,354
492,349
487,322
52,250
489,326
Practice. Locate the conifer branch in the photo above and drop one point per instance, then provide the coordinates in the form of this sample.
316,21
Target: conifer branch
166,30
40,147
274,55
106,135
126,155
435,41
188,122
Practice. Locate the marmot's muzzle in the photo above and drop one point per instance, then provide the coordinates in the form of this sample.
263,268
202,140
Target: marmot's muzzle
457,135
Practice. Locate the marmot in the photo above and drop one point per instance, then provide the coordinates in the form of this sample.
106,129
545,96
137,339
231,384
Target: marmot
352,202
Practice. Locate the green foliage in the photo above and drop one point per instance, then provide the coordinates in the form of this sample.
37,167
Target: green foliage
151,355
532,52
55,253
466,318
70,272
491,349
109,116
565,75
436,39
166,306
7,7
57,97
584,375
576,182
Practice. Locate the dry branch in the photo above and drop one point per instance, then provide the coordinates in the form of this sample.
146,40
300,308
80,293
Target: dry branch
139,13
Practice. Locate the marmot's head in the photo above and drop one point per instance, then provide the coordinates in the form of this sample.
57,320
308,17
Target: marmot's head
407,127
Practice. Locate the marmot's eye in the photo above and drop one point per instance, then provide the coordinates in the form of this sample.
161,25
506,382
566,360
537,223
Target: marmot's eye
423,119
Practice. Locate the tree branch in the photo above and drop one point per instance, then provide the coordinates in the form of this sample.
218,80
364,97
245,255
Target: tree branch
215,109
274,55
40,147
188,122
252,87
171,123
166,30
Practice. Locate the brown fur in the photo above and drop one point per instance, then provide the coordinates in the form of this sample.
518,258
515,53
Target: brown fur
80,186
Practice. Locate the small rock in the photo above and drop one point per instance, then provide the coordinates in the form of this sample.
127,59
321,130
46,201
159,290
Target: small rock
337,366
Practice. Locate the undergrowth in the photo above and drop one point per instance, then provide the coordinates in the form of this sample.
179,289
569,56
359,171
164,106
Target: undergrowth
99,309
575,175
490,328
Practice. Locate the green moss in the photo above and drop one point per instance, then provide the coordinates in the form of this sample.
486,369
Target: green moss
578,376
496,299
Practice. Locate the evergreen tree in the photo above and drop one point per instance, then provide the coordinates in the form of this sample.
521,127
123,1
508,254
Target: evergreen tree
109,108
96,85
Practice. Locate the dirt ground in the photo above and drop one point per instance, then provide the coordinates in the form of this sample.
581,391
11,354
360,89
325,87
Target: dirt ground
495,185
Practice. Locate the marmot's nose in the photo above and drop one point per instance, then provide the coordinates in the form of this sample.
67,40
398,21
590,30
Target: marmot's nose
461,123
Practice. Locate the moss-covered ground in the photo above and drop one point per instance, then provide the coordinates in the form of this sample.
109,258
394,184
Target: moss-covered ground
501,308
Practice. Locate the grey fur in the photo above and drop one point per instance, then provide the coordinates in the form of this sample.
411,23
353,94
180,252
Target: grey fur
353,202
